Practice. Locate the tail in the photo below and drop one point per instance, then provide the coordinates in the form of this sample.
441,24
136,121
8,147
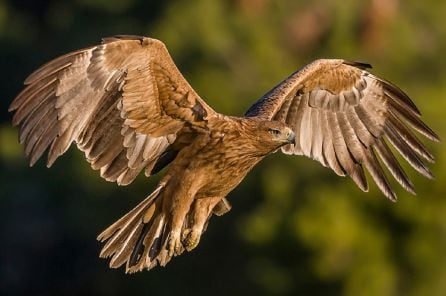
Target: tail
136,238
139,239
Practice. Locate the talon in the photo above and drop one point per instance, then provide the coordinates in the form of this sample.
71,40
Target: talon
192,238
185,234
178,247
175,246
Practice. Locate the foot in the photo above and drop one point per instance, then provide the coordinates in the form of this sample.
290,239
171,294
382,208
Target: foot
174,246
191,238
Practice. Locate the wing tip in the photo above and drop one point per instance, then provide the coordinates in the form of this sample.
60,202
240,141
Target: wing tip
399,96
434,137
390,194
411,191
50,161
358,64
393,198
13,106
33,160
430,175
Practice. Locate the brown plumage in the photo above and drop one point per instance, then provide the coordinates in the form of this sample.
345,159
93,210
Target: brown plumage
128,108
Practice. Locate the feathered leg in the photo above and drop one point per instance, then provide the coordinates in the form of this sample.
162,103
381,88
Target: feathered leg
201,211
181,194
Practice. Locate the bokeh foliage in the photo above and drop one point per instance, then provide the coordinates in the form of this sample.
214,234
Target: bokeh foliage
295,227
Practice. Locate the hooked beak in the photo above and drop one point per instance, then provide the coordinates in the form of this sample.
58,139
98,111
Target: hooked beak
291,138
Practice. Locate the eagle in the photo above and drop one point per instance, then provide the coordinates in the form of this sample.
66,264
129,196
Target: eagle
128,108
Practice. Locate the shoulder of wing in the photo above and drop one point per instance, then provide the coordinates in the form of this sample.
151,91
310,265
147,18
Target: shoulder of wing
333,75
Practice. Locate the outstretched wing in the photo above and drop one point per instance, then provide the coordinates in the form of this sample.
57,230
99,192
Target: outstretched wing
123,102
343,115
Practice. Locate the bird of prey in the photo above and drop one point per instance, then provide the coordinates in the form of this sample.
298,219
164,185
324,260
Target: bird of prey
128,108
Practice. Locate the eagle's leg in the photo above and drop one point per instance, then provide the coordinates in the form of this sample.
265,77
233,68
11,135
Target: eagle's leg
182,194
201,209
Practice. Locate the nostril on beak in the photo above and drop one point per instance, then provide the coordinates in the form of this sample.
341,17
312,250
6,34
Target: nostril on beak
292,137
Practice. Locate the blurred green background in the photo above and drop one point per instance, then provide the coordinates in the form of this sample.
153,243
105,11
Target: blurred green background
295,227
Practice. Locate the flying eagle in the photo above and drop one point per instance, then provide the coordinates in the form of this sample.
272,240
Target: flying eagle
128,108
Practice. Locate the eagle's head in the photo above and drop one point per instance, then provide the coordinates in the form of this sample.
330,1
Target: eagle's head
278,133
268,136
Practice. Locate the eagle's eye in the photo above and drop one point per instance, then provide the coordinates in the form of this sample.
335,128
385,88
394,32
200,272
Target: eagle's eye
274,132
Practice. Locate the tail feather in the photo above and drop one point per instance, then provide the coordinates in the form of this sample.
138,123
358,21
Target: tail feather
151,244
129,217
139,246
123,237
123,252
141,239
